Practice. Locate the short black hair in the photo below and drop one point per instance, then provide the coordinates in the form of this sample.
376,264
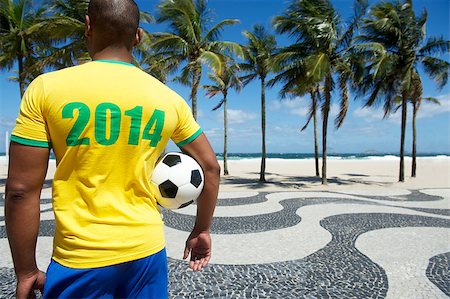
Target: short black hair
116,20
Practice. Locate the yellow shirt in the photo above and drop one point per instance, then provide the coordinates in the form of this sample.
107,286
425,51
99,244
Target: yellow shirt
107,123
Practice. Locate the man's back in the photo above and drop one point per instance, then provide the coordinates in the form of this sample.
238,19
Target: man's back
107,123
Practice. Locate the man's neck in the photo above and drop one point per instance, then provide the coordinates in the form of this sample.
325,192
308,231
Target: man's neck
115,54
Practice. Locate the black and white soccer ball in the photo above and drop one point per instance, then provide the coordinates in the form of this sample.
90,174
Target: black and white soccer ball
178,179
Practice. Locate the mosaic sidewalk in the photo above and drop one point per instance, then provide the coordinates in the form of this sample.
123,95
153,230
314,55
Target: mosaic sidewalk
394,244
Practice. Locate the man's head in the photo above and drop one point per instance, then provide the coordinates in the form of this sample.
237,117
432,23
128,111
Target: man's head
112,24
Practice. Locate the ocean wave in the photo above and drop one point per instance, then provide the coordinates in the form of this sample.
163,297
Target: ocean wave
358,156
302,156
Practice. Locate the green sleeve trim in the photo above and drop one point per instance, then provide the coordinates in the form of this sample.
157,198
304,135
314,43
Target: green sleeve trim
115,61
190,139
30,142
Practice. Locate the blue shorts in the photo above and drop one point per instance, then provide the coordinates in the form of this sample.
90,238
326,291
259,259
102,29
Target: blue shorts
143,278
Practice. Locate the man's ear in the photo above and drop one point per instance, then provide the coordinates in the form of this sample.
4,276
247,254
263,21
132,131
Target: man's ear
87,30
138,38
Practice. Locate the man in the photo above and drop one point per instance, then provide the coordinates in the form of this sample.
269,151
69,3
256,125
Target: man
107,122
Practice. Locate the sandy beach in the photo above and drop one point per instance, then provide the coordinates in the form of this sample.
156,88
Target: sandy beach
298,174
287,175
391,237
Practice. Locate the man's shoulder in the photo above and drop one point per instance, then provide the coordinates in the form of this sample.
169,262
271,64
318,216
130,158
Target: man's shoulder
61,72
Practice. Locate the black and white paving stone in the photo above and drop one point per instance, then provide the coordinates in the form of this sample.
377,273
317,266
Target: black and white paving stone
302,245
438,271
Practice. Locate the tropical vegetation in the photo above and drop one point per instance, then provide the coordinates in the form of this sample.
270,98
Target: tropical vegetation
259,53
393,44
381,54
23,32
222,83
191,43
320,55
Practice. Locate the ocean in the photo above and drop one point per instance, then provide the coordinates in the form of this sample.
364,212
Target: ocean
332,156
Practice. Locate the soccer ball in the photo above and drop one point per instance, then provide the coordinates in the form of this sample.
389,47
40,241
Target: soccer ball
178,179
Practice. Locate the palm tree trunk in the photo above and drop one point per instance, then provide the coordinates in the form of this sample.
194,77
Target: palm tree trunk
225,135
325,112
262,174
197,74
402,138
21,74
413,167
316,145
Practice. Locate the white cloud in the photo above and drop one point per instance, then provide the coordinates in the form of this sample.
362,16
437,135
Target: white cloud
297,106
334,111
285,130
300,107
240,116
300,111
364,130
369,114
292,105
428,109
200,113
214,132
245,132
7,122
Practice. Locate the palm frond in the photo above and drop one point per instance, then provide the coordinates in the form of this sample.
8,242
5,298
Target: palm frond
214,60
318,65
437,69
214,33
432,100
226,48
311,111
435,45
343,106
218,105
169,41
248,78
359,10
211,90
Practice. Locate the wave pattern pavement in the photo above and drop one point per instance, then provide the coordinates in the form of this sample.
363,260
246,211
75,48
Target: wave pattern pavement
393,244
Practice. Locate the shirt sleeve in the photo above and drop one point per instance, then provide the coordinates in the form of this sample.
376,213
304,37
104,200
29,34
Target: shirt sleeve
187,129
31,128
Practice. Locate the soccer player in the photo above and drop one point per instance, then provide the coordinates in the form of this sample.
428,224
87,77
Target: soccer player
107,123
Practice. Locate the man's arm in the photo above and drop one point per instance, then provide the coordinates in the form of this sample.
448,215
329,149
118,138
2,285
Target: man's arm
26,174
199,241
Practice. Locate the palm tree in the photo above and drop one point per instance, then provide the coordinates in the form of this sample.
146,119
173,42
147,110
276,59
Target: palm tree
315,98
394,38
223,82
259,53
158,64
416,99
312,114
22,30
320,54
288,64
189,42
67,26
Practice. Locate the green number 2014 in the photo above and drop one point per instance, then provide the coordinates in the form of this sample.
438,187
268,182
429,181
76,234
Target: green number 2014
152,130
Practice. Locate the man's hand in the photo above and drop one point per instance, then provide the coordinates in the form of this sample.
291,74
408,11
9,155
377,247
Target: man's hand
199,245
199,241
26,285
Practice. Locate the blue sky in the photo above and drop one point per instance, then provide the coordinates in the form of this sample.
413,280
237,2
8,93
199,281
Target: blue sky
363,129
